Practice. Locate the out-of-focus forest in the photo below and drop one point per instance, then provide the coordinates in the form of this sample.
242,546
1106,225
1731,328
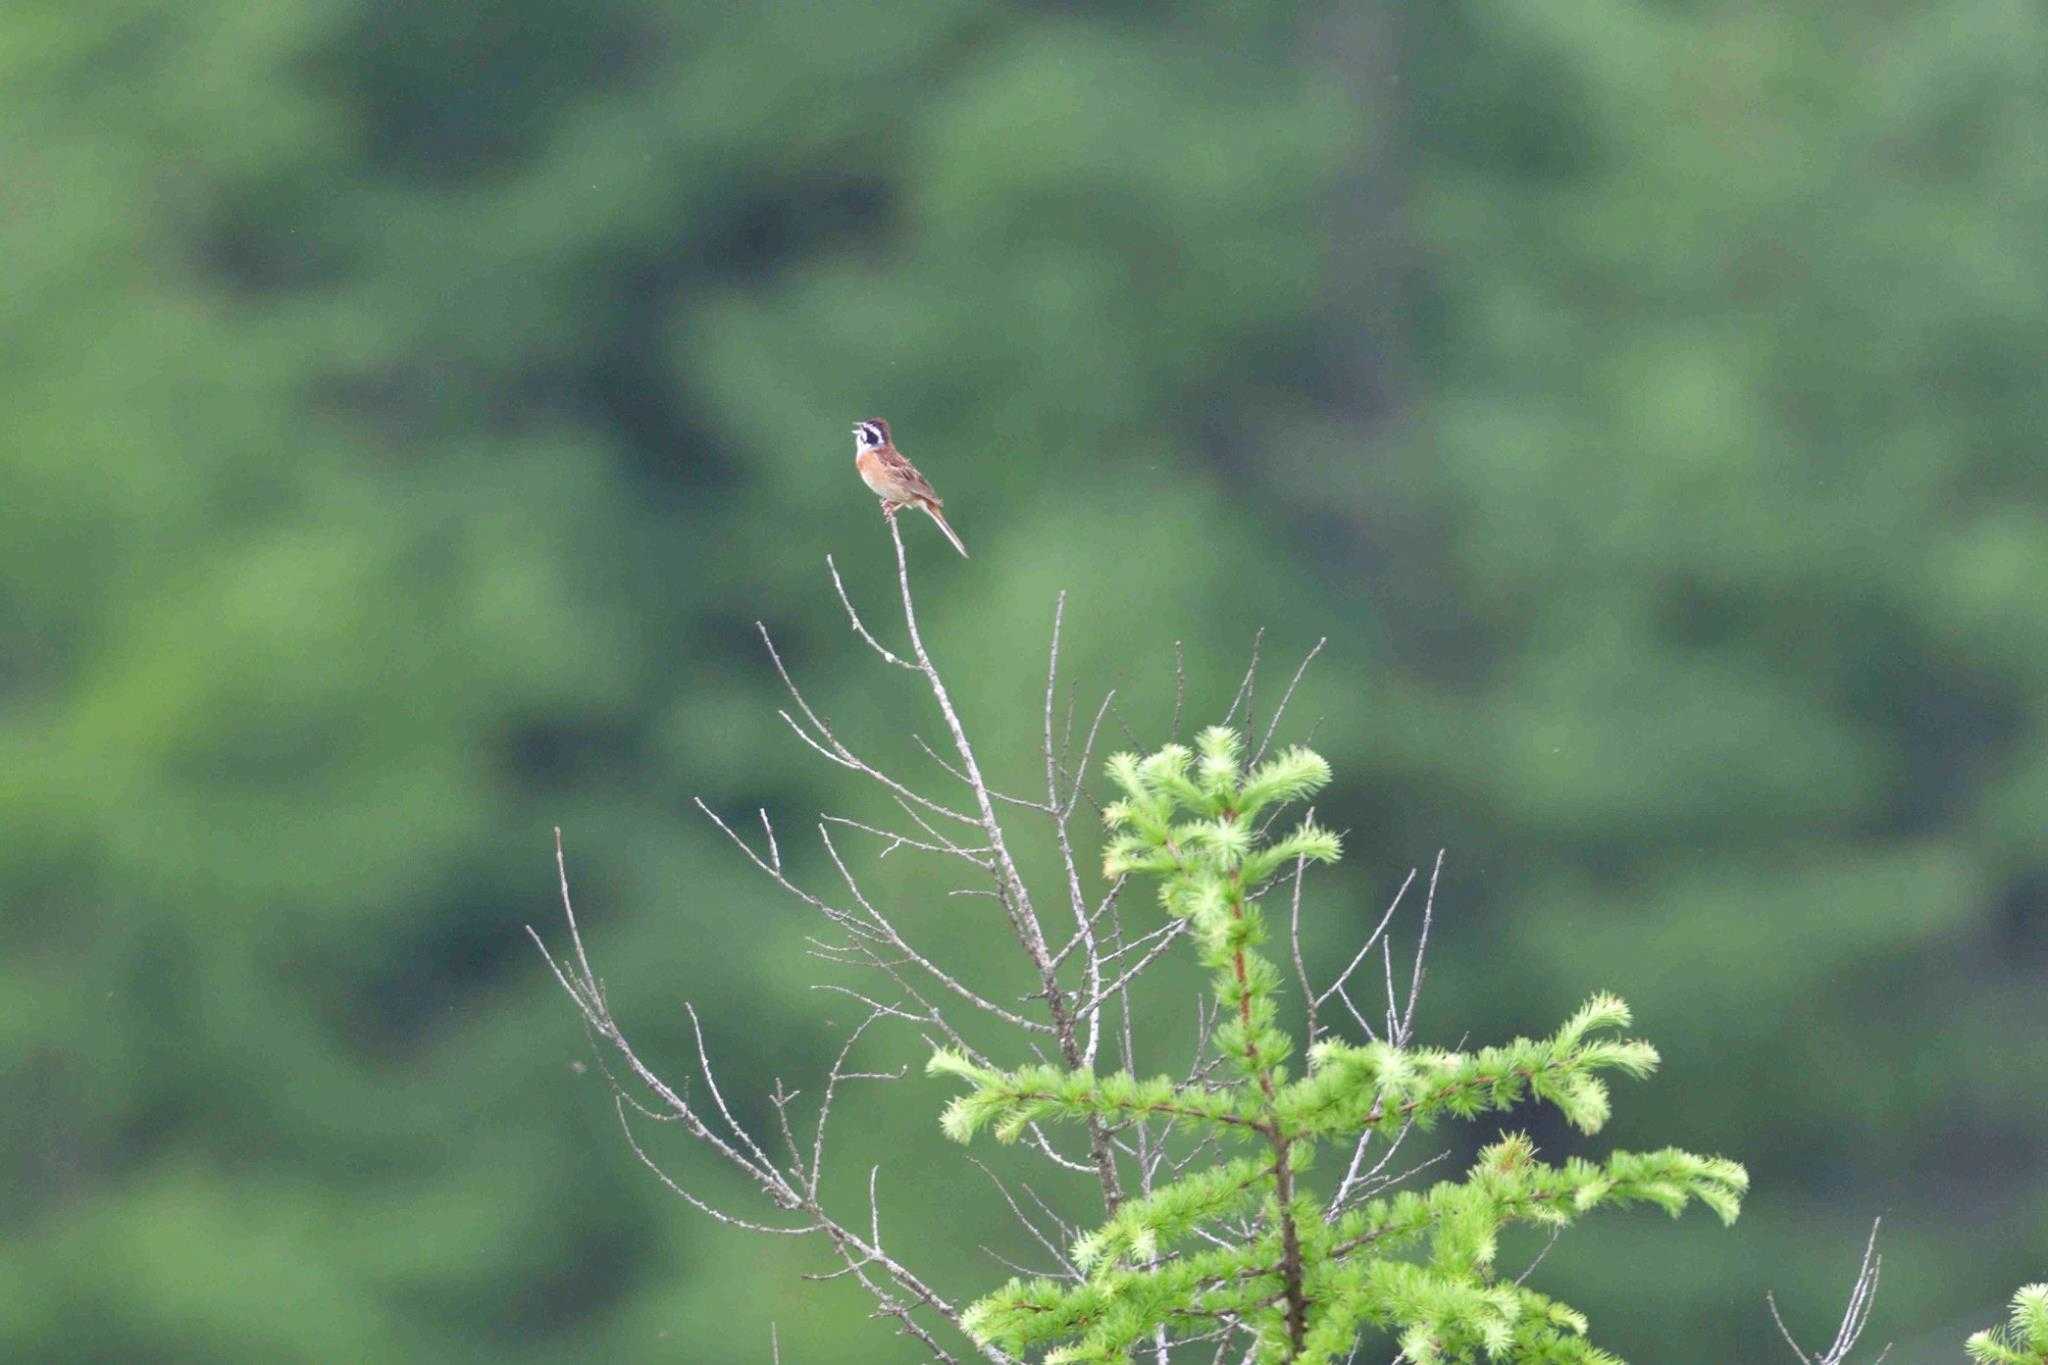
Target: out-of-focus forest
406,411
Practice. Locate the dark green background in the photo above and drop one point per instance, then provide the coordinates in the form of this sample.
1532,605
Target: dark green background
407,408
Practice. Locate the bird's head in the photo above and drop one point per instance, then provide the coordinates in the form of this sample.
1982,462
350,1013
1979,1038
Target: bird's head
871,434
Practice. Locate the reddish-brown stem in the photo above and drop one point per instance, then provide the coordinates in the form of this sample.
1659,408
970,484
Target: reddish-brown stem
1283,1173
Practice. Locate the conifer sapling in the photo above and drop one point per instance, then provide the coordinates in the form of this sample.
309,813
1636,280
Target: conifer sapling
1237,1240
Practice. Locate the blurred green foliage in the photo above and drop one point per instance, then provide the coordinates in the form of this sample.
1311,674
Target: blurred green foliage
409,408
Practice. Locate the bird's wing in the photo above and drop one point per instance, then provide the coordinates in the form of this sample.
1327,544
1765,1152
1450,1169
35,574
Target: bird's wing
905,473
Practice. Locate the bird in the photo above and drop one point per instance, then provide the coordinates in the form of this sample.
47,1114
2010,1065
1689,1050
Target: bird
893,478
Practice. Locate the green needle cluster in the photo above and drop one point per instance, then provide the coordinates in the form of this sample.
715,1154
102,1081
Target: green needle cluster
1237,1238
2024,1340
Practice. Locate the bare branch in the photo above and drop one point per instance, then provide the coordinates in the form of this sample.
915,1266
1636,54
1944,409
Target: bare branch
1421,947
1393,1010
774,870
1337,986
730,1220
1244,689
584,989
897,841
962,778
1308,992
1084,924
1364,1185
902,945
859,1254
1080,769
1137,944
827,743
1108,901
1100,960
1862,1300
711,1084
1285,697
1067,1267
1180,690
1530,1269
1166,940
1016,899
853,619
832,1080
1344,998
569,913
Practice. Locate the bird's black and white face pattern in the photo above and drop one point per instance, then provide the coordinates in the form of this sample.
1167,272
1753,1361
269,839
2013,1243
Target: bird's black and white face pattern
870,435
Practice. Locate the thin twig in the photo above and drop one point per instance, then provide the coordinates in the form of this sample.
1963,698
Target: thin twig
1371,939
1244,689
897,841
902,945
1084,925
1862,1300
1017,900
827,743
1166,940
853,618
1285,697
1067,1267
858,1253
1308,993
1421,948
1180,690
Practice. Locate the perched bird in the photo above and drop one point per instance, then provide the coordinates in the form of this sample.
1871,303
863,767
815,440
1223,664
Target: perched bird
894,479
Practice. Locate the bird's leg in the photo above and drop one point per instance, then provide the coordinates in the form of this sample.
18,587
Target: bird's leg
890,509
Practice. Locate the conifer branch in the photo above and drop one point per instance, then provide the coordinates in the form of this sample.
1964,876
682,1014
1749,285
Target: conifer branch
1210,1237
1237,1241
2024,1338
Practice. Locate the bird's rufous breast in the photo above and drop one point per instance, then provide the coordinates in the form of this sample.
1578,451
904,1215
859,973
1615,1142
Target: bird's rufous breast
871,470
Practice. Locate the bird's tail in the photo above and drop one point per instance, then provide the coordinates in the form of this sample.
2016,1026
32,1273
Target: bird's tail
931,510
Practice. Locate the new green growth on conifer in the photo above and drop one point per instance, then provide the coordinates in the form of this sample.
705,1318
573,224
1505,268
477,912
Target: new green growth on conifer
1239,1236
2024,1340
